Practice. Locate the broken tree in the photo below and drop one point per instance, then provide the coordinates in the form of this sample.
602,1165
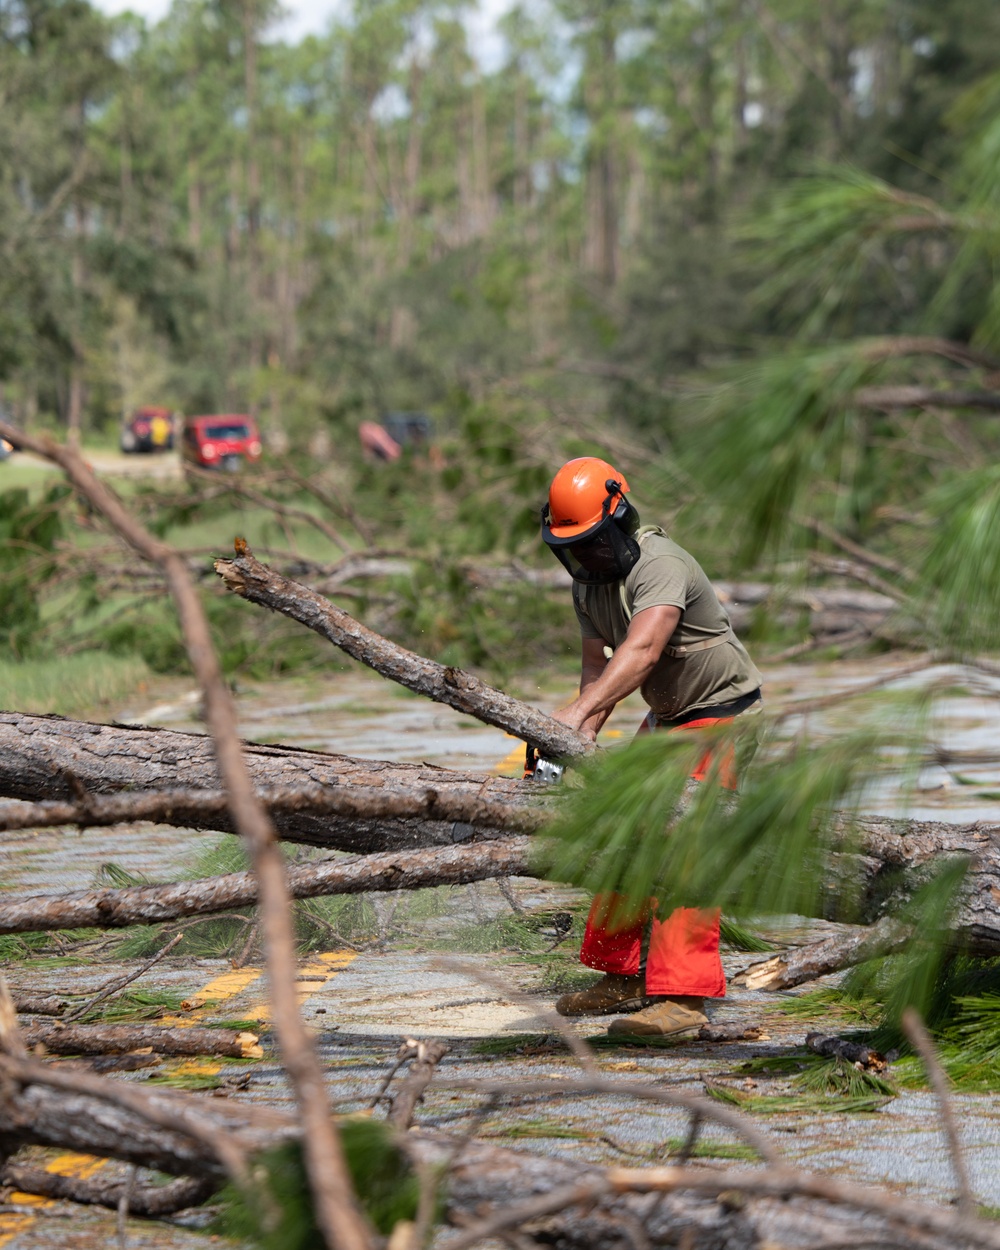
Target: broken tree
491,1190
48,758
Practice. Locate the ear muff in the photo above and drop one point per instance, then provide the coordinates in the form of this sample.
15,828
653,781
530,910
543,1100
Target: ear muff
582,494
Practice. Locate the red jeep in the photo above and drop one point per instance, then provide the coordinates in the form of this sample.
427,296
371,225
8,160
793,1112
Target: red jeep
220,442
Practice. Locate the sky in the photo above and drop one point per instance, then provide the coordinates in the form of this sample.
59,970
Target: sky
312,17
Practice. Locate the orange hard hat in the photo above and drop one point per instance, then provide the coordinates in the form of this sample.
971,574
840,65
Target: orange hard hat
581,495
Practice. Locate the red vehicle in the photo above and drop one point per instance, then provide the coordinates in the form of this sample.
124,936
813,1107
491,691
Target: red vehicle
220,442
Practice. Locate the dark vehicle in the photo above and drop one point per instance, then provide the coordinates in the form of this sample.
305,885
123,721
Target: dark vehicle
408,429
397,430
220,442
148,429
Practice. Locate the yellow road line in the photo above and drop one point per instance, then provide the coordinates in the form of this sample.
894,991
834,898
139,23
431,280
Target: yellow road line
324,967
228,985
511,765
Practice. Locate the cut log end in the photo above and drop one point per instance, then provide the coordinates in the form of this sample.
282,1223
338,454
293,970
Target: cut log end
763,976
250,1046
232,576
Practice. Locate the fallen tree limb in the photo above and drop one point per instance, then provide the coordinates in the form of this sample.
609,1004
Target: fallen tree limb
818,959
923,1044
119,1039
832,1047
38,1005
147,1202
424,1056
162,1129
153,904
247,577
340,1219
187,808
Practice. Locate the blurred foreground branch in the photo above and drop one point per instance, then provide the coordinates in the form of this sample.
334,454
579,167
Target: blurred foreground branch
342,1222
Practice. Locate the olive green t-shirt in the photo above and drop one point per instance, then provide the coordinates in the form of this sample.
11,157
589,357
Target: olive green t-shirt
667,575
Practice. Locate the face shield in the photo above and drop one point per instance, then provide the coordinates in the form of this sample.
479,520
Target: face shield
605,553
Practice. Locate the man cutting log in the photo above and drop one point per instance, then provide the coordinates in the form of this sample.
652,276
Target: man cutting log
649,621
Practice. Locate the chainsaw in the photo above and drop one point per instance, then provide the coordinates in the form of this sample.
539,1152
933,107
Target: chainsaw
539,768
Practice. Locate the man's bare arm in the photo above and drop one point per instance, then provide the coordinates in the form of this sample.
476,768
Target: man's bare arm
593,662
635,659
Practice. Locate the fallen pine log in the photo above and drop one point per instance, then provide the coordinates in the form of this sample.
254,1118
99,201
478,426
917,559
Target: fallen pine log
49,758
96,1115
120,1039
818,959
154,904
186,807
39,1005
146,1201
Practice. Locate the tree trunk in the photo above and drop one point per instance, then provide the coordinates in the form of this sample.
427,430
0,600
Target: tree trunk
146,1202
119,1039
154,904
47,757
819,959
43,757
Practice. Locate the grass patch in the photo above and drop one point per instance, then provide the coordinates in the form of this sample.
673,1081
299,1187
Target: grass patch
520,1044
795,1104
705,1148
71,685
132,1004
739,938
542,1129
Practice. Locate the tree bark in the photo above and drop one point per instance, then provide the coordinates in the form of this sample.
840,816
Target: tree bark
246,576
119,1039
187,807
146,1202
45,758
819,959
154,904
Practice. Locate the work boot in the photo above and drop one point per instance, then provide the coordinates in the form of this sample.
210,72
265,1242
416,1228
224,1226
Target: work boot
669,1017
612,993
